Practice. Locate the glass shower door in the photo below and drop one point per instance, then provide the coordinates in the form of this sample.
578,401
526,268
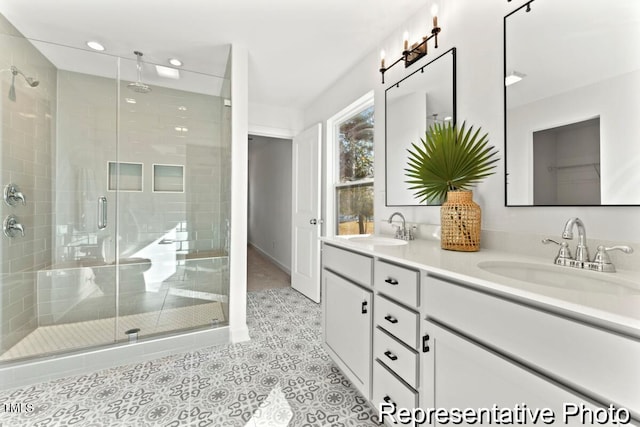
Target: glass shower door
57,277
173,171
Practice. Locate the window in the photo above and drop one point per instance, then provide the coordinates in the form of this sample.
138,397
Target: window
353,177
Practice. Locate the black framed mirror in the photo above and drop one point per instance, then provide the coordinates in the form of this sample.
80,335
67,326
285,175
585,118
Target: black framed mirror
572,102
411,105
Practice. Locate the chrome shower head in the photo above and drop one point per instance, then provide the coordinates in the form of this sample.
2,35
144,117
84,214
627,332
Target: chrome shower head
14,72
138,86
31,82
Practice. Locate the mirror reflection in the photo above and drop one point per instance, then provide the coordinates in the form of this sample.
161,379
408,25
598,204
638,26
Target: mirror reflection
412,105
572,103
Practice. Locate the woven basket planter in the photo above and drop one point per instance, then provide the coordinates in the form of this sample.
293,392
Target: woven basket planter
460,220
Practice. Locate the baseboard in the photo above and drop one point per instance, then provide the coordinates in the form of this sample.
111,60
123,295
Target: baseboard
272,259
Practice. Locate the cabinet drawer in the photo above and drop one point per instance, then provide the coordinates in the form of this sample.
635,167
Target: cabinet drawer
397,320
387,388
397,282
396,356
348,264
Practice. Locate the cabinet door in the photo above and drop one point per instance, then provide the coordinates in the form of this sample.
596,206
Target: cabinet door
348,328
457,373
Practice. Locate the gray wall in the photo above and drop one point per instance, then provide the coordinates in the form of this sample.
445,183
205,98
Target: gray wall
147,135
27,147
269,225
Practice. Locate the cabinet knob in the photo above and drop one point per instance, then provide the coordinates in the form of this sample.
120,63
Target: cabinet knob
389,318
391,355
391,281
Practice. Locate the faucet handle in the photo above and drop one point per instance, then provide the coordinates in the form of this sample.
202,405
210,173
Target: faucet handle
622,248
602,261
602,256
563,254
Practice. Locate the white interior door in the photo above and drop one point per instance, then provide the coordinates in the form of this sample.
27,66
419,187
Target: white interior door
305,246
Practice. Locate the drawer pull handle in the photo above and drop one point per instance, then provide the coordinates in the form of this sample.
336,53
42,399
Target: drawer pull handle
391,281
388,400
389,318
364,307
391,355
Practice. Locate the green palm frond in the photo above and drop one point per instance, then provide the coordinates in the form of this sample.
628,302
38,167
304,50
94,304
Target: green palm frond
449,158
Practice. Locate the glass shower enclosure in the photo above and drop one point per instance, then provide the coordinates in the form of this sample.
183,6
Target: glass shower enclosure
116,198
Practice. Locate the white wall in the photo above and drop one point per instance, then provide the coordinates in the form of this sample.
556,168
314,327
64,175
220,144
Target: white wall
475,28
277,122
239,134
269,225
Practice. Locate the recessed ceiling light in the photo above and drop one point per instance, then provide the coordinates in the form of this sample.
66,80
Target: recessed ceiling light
182,108
181,129
175,62
95,45
513,77
170,73
130,100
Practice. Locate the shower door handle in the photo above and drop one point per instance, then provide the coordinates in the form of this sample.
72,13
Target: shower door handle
102,213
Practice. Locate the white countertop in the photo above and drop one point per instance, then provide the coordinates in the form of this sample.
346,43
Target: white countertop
618,312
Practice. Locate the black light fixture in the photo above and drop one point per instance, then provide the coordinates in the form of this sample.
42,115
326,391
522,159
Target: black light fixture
417,50
528,5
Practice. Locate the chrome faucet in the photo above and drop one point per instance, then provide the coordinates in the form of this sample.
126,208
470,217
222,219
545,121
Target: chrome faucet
401,231
601,262
582,251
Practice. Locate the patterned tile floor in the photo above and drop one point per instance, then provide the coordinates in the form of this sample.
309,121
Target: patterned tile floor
281,377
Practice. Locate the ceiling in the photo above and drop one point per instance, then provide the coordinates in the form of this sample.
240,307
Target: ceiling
296,48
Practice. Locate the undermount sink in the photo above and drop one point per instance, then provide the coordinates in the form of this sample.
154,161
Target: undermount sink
378,241
561,277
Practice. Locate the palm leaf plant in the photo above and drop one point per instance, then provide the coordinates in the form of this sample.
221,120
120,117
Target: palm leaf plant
449,159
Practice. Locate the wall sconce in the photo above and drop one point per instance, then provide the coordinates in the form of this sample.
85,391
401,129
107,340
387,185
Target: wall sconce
417,50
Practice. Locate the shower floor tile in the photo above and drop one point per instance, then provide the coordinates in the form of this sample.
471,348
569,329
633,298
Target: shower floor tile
282,377
55,338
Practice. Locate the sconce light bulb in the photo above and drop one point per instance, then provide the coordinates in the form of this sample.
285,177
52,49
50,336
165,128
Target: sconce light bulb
382,58
405,37
434,13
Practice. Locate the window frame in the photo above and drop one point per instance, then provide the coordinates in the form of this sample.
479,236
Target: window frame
333,183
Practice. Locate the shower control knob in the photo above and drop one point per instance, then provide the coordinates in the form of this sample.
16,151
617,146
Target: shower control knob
13,195
11,227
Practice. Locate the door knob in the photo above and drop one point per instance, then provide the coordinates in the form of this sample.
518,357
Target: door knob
316,221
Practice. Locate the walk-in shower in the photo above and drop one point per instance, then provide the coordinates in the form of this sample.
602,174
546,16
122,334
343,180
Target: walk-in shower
122,195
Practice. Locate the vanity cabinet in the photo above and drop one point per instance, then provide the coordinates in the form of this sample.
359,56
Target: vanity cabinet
468,375
491,345
429,340
347,314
